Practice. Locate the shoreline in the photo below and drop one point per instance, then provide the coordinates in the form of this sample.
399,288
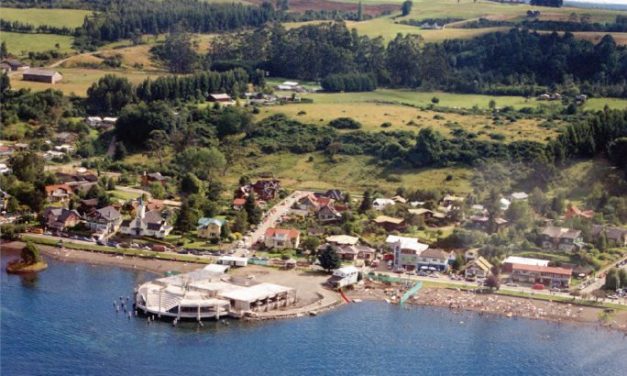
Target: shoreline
457,300
454,299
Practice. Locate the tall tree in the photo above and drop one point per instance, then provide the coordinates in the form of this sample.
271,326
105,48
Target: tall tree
406,7
329,259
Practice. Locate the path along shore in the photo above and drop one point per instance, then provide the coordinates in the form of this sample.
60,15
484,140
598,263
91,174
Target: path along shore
454,299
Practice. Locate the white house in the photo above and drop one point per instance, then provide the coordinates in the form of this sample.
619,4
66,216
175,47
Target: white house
519,196
279,238
382,203
345,276
146,224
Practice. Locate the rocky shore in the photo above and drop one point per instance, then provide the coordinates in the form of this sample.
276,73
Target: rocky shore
459,300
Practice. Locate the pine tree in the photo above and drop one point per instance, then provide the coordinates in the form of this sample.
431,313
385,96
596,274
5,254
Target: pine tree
366,203
252,210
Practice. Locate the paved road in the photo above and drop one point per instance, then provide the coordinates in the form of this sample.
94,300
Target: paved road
599,282
273,215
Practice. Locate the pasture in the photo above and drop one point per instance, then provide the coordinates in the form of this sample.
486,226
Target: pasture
20,44
39,16
351,173
405,118
78,80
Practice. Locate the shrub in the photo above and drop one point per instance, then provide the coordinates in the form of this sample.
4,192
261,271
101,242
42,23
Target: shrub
345,123
387,124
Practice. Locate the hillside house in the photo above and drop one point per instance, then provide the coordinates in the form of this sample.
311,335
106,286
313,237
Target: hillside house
382,203
328,213
58,193
60,219
560,238
574,212
616,236
264,189
278,238
221,98
390,223
42,75
153,177
210,228
104,220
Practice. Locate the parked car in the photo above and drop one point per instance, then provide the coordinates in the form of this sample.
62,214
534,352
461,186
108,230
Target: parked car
538,286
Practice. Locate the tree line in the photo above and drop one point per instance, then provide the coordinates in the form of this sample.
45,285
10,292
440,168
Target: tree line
127,19
21,27
111,93
519,59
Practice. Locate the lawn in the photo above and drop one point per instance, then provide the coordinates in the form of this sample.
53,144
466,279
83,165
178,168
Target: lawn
20,44
349,173
39,16
78,80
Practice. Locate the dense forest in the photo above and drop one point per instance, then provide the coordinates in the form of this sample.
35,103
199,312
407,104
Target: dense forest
517,60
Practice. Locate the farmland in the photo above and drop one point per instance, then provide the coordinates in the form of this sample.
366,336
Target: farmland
406,118
20,44
52,17
77,80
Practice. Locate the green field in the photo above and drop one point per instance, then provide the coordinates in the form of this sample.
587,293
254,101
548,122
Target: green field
78,80
350,173
389,26
20,44
39,16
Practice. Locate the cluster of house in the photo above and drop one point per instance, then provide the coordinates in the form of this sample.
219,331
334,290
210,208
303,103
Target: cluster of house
106,221
30,74
264,190
520,269
327,206
581,98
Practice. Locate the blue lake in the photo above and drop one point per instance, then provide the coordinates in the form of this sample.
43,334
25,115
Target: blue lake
62,322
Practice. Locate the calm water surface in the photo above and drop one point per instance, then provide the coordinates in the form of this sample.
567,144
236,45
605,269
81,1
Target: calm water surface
62,322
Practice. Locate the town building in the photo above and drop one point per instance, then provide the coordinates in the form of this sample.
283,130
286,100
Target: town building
422,213
342,240
59,219
290,86
560,238
146,224
471,254
264,189
574,212
434,260
518,196
478,268
509,262
210,228
278,238
546,275
406,251
209,294
42,75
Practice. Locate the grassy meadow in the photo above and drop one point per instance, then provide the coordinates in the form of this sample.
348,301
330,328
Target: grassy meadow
39,16
20,44
405,118
78,80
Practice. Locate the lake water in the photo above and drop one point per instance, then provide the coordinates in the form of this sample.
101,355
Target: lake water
62,322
